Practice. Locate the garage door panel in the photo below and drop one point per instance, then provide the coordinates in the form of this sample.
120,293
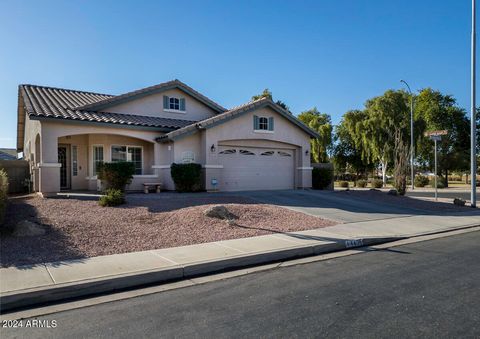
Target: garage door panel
255,169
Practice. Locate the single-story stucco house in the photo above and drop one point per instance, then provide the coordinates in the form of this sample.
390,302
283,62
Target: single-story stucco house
64,134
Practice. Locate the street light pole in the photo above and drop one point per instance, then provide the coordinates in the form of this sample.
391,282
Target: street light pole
412,170
473,120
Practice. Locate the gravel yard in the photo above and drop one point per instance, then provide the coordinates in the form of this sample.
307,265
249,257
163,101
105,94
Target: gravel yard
81,228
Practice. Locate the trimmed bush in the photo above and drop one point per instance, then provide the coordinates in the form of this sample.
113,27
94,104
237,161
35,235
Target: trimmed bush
440,182
377,183
343,184
321,178
3,194
112,197
116,175
187,177
362,183
421,181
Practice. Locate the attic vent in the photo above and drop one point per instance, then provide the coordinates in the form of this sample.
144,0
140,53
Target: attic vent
228,151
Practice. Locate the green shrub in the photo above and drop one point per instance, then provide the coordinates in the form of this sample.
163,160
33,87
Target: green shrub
321,178
116,175
421,181
362,183
343,184
187,177
377,183
3,194
440,182
112,197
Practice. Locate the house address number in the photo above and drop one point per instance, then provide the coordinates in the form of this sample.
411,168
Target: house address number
353,243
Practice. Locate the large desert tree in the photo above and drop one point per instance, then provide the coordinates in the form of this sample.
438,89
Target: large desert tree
322,124
438,111
347,154
385,114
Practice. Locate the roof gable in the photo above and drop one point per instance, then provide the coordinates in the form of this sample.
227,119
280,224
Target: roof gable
233,113
112,101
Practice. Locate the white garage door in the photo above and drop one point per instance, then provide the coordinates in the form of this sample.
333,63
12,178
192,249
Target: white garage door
246,168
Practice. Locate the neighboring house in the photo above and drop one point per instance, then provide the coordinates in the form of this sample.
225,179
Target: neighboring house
66,133
8,154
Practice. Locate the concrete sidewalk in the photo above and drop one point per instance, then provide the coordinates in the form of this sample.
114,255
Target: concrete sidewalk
30,285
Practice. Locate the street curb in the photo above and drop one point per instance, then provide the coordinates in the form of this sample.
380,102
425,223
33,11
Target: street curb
30,297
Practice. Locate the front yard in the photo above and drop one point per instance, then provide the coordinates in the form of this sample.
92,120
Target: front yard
81,228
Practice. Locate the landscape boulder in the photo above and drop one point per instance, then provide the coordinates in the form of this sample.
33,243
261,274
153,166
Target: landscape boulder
220,212
459,202
26,228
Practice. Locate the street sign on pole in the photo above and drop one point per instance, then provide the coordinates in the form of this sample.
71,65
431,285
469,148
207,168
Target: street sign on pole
436,136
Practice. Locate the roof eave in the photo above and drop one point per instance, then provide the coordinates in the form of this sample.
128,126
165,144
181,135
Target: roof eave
101,123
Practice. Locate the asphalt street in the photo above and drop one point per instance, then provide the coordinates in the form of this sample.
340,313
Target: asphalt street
428,289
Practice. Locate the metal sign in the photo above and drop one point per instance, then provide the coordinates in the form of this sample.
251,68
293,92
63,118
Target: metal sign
436,133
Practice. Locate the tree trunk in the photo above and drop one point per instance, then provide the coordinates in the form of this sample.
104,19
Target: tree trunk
384,173
446,178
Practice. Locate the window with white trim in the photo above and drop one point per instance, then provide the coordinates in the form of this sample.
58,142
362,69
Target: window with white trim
97,152
188,157
174,104
130,154
263,124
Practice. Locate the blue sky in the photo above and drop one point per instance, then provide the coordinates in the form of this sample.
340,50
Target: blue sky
329,54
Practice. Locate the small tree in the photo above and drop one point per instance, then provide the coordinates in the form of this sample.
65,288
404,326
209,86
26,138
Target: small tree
401,155
116,175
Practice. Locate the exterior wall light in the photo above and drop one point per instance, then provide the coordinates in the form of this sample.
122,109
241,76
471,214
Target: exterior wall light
213,149
306,152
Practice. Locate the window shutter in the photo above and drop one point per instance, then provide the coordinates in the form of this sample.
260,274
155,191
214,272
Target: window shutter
255,122
182,104
166,102
270,124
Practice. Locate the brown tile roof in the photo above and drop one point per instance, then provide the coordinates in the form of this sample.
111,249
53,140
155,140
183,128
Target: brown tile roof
152,89
58,103
234,112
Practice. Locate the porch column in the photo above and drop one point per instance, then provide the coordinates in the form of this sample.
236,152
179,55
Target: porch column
304,168
49,167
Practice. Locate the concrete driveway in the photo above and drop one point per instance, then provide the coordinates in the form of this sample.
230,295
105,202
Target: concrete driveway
330,205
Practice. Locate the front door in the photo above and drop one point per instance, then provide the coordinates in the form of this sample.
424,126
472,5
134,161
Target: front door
63,156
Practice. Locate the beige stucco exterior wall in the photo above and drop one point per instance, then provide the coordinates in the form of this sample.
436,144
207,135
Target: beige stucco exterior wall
84,136
158,157
152,105
239,131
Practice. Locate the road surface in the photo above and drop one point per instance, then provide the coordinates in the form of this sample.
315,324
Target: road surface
427,289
